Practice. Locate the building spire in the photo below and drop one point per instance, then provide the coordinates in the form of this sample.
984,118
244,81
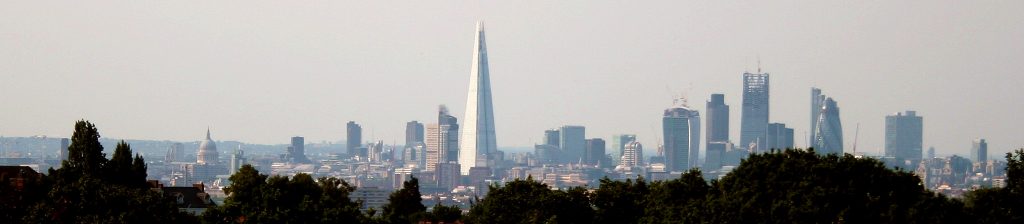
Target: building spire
208,133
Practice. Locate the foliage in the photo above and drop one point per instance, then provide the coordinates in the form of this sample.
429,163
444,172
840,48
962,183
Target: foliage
255,198
527,201
405,205
90,189
1001,205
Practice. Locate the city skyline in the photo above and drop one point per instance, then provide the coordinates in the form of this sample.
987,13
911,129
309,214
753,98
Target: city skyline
135,89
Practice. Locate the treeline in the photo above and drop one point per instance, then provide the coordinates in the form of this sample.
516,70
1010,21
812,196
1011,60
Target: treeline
791,186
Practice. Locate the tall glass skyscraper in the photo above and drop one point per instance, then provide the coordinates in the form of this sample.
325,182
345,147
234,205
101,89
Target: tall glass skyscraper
681,128
903,136
717,136
979,151
754,120
354,138
478,140
829,131
573,143
816,100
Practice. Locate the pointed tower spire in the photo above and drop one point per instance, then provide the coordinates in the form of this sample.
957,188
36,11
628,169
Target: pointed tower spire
208,133
478,140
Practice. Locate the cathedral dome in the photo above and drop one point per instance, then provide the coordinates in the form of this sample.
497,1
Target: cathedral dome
207,151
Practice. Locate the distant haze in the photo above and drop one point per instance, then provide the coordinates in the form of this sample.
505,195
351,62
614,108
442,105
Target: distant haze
263,71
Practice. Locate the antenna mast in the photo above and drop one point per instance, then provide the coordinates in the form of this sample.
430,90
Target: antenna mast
855,135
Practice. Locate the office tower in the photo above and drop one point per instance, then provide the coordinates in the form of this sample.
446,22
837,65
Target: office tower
619,145
573,143
237,160
207,153
297,151
176,153
64,144
413,133
816,99
632,155
979,151
546,154
754,119
903,136
931,152
594,151
551,137
717,119
442,140
829,133
447,175
681,128
478,139
717,132
778,137
354,138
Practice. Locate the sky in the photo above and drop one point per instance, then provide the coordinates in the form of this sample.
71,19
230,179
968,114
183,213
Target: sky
263,71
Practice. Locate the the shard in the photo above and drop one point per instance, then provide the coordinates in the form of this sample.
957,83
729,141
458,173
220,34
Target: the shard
478,140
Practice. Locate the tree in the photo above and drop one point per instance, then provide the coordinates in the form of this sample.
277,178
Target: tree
253,197
526,201
620,201
444,214
678,200
405,205
80,192
1001,205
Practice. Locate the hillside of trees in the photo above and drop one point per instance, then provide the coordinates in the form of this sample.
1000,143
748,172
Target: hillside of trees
790,186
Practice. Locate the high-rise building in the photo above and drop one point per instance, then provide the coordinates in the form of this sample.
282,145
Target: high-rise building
816,99
717,119
573,143
931,152
207,153
979,151
297,151
778,136
354,138
903,136
619,145
442,140
717,132
551,137
415,155
478,139
633,155
413,133
829,131
681,128
375,152
64,144
754,119
594,151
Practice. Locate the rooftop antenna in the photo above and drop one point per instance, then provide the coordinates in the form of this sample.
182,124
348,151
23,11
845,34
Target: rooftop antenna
758,64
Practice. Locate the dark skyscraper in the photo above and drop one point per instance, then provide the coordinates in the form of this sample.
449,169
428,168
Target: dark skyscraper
595,151
828,135
979,151
903,136
449,128
619,146
551,137
681,129
297,151
717,119
754,119
573,143
413,133
354,138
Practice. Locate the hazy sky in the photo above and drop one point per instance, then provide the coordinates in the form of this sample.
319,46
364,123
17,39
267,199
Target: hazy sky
263,71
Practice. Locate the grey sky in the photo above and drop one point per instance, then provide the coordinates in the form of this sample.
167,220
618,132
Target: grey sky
262,71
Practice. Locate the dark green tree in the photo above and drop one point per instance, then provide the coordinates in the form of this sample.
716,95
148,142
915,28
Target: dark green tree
255,198
525,201
1001,205
405,205
678,200
444,214
81,192
620,201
